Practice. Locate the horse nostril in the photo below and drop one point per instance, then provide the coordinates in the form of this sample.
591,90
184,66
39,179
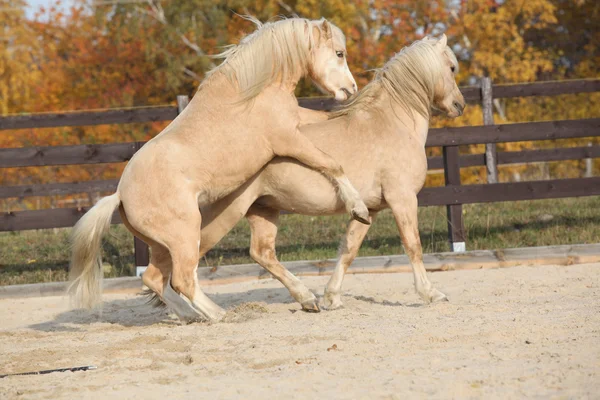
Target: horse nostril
354,88
459,107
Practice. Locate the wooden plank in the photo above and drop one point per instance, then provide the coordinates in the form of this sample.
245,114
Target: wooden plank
167,113
513,191
58,189
520,157
44,219
68,155
559,154
468,160
521,132
454,212
318,103
120,152
472,94
85,118
549,88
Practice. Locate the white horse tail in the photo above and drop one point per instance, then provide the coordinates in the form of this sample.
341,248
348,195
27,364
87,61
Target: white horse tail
85,272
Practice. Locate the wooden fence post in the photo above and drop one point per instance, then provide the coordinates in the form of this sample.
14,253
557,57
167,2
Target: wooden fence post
142,252
456,234
589,165
182,102
491,157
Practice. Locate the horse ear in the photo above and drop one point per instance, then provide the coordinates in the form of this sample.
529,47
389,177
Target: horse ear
326,29
443,42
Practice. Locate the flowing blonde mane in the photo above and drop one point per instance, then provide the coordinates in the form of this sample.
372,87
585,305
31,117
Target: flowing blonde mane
409,78
276,51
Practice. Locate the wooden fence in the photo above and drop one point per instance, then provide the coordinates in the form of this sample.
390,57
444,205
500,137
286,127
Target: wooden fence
453,194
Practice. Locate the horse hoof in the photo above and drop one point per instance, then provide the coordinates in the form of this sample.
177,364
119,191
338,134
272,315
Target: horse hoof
361,217
311,306
331,302
438,297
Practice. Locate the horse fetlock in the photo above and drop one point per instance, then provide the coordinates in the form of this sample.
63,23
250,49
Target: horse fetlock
180,305
331,300
306,298
431,295
216,314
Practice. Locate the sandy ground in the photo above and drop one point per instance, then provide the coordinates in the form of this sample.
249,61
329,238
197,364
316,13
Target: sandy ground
506,333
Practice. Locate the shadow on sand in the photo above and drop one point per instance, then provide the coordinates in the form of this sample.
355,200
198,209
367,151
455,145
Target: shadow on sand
136,312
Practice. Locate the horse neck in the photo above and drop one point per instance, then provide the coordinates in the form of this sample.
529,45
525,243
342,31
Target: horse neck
216,89
219,89
416,125
289,85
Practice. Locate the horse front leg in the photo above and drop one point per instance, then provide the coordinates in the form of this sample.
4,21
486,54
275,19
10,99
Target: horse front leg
302,149
349,246
404,207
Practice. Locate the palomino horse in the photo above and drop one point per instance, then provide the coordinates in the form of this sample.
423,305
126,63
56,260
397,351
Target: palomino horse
379,138
243,115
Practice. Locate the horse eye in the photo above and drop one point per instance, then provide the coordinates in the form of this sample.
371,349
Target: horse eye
340,54
453,68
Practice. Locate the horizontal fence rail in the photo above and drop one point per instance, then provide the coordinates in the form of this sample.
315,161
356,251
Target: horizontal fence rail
434,163
522,132
68,155
167,113
84,118
520,157
513,191
58,189
529,131
429,196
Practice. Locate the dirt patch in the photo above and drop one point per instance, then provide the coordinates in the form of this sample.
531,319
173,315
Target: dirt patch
245,312
506,333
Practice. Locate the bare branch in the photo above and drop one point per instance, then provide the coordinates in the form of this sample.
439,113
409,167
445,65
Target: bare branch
156,11
191,74
286,7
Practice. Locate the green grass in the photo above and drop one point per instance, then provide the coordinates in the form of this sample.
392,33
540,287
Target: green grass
42,256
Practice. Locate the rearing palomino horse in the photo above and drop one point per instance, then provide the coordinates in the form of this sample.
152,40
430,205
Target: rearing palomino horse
243,115
379,138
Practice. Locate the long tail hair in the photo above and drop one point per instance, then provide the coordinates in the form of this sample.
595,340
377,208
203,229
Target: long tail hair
85,271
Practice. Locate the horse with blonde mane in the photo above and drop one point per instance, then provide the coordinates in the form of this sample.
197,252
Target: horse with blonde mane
242,116
379,138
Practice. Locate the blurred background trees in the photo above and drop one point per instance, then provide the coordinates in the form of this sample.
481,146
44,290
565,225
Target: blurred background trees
88,54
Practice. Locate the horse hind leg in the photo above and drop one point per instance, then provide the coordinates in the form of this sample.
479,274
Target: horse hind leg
175,264
157,272
263,226
156,275
183,282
